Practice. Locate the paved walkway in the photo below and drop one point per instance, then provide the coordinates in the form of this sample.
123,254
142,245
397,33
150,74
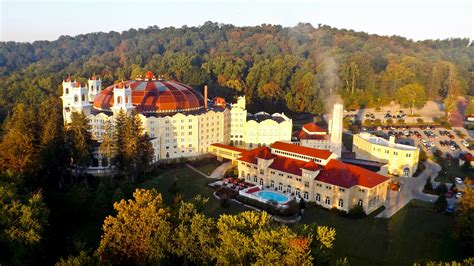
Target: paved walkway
216,174
220,170
411,189
196,170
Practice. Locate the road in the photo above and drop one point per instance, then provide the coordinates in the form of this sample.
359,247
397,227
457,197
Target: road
412,189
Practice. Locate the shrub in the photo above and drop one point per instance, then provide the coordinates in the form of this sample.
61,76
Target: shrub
420,121
436,120
356,212
441,203
441,189
354,129
389,121
401,121
422,155
377,122
367,122
428,185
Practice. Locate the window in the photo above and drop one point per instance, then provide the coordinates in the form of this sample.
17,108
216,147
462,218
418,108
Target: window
360,203
67,90
248,177
318,197
255,179
272,184
340,203
341,190
306,184
261,181
288,189
280,186
328,200
298,193
261,172
306,195
83,98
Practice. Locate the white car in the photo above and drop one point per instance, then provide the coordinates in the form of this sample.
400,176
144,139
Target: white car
458,195
458,180
465,143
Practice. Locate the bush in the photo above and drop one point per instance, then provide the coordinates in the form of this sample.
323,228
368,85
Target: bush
422,155
368,122
354,129
441,189
401,121
428,185
356,212
377,122
441,203
389,121
420,121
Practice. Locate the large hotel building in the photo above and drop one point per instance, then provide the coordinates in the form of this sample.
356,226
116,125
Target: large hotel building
180,121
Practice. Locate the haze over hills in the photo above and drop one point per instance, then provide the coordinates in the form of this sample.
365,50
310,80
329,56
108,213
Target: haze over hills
279,68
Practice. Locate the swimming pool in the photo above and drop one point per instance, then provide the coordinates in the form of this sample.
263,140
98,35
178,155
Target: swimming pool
268,195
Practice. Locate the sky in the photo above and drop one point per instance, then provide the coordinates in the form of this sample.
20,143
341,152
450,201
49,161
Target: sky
30,20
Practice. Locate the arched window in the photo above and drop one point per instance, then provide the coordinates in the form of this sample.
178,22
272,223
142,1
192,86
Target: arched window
406,172
261,181
306,195
167,154
360,203
298,193
83,98
119,99
288,189
255,179
272,184
328,200
248,177
76,99
280,186
92,88
67,90
242,174
318,197
127,100
340,203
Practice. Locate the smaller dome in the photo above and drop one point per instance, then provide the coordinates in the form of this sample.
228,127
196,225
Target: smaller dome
149,75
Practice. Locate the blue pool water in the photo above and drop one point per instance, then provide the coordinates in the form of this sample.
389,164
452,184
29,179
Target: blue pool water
268,195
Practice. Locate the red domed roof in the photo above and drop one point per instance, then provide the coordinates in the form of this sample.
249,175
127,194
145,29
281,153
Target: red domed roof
154,96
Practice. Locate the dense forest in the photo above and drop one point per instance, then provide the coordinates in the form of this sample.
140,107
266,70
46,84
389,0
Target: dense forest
51,210
286,68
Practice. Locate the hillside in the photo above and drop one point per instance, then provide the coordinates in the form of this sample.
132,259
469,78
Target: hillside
279,68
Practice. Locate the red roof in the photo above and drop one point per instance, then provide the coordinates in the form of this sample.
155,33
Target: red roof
323,154
313,128
303,135
346,175
252,155
312,166
228,147
154,96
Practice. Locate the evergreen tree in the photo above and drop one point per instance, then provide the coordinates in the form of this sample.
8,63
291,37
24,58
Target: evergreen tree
441,203
79,140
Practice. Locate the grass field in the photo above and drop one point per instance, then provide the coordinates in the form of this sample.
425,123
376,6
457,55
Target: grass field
415,233
190,184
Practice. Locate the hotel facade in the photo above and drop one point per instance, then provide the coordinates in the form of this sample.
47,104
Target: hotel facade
180,121
313,175
401,160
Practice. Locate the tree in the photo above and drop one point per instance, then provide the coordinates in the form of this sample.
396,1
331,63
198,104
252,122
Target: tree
19,146
441,189
79,140
411,95
140,231
194,235
464,229
23,220
428,185
441,203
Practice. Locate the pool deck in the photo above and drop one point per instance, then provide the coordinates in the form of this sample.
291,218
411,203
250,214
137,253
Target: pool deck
252,193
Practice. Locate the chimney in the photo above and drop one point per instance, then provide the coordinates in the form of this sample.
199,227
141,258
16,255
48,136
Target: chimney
205,97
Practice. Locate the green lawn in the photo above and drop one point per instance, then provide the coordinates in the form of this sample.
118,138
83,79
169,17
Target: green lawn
415,233
190,184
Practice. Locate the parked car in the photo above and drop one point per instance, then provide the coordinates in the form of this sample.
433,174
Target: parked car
465,143
458,195
449,209
458,180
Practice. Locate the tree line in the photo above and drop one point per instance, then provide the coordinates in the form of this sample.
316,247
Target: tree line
294,69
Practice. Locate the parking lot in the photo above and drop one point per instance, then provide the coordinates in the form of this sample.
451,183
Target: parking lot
428,138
